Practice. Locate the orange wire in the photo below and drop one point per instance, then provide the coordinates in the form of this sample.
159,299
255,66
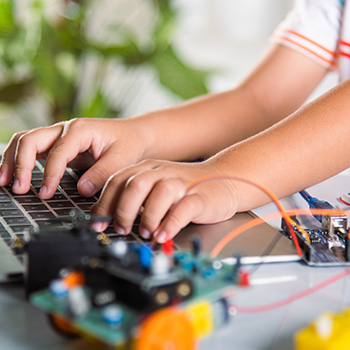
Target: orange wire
279,205
230,236
343,201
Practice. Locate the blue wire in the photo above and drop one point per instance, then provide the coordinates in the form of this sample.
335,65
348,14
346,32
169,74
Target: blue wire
306,196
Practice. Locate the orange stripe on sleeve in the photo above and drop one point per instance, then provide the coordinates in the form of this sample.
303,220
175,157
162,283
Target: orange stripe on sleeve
344,54
344,43
306,49
309,40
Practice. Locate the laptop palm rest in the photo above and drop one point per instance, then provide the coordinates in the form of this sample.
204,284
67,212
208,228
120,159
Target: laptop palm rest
250,245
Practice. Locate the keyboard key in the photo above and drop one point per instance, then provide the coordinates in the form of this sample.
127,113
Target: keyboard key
74,192
21,228
83,200
36,170
36,183
42,215
61,204
7,205
43,223
85,207
10,213
57,197
34,207
17,221
8,241
68,178
28,200
29,193
63,212
5,198
4,234
69,185
37,175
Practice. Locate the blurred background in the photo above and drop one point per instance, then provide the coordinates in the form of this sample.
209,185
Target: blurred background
61,59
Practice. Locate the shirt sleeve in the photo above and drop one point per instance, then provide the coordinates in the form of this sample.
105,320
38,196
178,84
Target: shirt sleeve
313,28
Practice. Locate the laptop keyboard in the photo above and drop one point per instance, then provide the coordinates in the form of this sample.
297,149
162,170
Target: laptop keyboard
21,213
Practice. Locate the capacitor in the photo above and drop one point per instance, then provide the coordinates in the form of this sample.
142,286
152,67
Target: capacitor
145,255
160,265
58,288
113,315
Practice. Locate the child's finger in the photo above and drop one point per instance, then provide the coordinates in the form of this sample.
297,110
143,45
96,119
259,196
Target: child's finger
75,139
190,207
112,160
107,202
29,145
7,166
135,192
165,193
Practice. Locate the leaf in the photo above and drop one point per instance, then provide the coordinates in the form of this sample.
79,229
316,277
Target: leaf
178,77
46,71
7,24
97,106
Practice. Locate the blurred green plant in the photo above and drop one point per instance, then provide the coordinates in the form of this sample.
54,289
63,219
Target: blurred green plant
43,56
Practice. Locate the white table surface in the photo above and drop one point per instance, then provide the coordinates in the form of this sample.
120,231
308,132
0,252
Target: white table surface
22,327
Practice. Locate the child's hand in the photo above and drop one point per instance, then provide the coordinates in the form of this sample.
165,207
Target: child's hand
161,188
107,145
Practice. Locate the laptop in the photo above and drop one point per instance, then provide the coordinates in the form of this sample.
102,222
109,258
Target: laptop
21,213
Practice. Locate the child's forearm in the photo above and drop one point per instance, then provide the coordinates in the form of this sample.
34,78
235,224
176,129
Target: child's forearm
306,148
201,127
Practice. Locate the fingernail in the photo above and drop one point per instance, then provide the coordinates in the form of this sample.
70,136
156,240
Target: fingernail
15,185
119,230
161,237
145,233
98,226
87,188
43,191
2,178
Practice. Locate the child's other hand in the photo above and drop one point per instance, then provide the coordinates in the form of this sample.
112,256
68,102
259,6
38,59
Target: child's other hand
102,145
161,188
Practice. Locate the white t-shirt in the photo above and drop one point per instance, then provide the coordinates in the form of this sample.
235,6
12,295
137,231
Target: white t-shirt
320,29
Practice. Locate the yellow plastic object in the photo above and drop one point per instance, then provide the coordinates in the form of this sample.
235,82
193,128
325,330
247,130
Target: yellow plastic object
201,317
168,328
328,332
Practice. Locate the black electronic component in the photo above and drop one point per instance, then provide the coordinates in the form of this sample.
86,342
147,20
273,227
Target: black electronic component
323,249
140,288
55,248
196,245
